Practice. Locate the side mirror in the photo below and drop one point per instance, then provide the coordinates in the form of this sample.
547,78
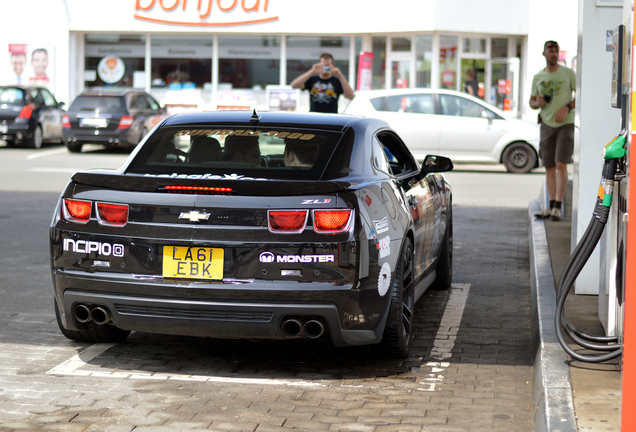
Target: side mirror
61,104
434,163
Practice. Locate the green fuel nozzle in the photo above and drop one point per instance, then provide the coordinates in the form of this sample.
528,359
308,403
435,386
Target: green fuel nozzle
612,152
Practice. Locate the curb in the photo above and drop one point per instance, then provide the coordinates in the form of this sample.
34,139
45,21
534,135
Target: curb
553,402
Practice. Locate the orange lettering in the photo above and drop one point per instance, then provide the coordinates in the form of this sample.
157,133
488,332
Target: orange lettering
207,14
253,8
184,4
227,9
266,4
138,6
176,3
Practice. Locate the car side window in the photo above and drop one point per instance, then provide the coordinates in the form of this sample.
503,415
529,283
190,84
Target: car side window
139,102
48,98
458,106
380,157
396,154
152,103
412,103
36,97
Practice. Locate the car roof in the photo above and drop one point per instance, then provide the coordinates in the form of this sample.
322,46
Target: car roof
22,87
100,91
268,119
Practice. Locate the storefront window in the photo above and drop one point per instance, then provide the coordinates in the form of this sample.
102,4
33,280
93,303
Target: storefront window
305,51
180,62
474,46
401,44
498,48
448,62
114,60
248,62
423,60
379,61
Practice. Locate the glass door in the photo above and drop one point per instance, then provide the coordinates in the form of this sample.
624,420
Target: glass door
504,85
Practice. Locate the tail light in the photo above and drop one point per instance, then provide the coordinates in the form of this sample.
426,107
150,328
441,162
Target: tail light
287,222
332,221
66,122
26,111
77,211
125,122
112,214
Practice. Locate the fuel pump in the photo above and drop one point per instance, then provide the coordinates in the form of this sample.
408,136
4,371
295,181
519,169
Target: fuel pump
613,155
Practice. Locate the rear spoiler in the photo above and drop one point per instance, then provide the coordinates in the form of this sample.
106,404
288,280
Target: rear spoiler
238,185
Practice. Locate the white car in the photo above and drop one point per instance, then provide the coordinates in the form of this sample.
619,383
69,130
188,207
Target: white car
453,124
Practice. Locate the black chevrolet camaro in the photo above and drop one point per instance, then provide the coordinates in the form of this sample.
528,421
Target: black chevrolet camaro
259,226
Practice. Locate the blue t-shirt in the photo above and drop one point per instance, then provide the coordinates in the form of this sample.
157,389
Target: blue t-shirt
324,94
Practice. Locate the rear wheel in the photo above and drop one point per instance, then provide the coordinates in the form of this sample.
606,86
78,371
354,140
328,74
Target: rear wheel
36,140
398,333
92,332
519,157
444,269
74,147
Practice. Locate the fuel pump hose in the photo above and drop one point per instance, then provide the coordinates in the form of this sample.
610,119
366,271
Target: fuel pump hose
582,252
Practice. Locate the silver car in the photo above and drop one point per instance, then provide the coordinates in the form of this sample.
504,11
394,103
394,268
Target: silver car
453,124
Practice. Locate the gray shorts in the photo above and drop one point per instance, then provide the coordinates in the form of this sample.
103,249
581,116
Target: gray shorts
556,145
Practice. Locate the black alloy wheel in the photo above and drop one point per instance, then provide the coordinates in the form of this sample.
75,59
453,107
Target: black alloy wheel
398,333
519,157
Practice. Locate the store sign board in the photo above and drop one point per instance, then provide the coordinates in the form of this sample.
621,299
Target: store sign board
204,13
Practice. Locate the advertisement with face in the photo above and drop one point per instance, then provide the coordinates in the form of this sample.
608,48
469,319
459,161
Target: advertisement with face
29,64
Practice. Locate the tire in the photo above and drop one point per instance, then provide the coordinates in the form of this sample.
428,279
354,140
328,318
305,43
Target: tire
444,268
398,332
74,147
92,333
36,140
519,157
10,143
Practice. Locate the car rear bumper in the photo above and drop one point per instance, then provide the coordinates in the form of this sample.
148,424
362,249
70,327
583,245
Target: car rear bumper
260,317
117,138
16,132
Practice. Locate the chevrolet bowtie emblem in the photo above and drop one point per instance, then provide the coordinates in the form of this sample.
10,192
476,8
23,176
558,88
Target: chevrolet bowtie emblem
194,216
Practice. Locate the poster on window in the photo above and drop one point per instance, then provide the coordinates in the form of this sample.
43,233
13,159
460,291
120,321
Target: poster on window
29,64
365,63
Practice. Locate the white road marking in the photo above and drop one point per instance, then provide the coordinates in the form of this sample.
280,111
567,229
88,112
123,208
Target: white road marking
442,347
446,336
47,153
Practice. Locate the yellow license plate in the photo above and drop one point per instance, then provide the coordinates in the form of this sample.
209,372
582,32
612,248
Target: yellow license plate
192,262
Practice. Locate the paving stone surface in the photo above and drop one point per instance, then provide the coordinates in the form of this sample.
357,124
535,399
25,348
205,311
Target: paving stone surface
470,367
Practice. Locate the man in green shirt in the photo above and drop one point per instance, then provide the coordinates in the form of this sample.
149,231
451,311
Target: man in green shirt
552,92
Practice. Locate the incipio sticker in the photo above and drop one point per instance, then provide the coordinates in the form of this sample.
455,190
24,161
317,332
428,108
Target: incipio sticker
384,279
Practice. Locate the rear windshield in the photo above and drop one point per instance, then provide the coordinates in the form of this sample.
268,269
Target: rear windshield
236,153
12,96
103,103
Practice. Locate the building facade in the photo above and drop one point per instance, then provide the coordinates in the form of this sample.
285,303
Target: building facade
213,54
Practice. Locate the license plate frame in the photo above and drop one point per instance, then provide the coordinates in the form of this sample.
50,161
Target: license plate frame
192,262
93,122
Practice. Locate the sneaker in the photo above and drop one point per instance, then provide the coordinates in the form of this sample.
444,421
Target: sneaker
545,214
556,214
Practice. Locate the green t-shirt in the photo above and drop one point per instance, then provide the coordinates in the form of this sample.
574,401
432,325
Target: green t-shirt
560,84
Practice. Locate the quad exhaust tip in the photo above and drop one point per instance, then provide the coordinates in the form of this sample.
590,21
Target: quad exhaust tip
85,313
293,328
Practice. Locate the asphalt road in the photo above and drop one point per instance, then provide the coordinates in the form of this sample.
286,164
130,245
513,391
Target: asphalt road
470,368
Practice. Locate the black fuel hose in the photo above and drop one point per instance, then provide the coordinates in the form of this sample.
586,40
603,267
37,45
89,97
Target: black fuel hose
573,267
